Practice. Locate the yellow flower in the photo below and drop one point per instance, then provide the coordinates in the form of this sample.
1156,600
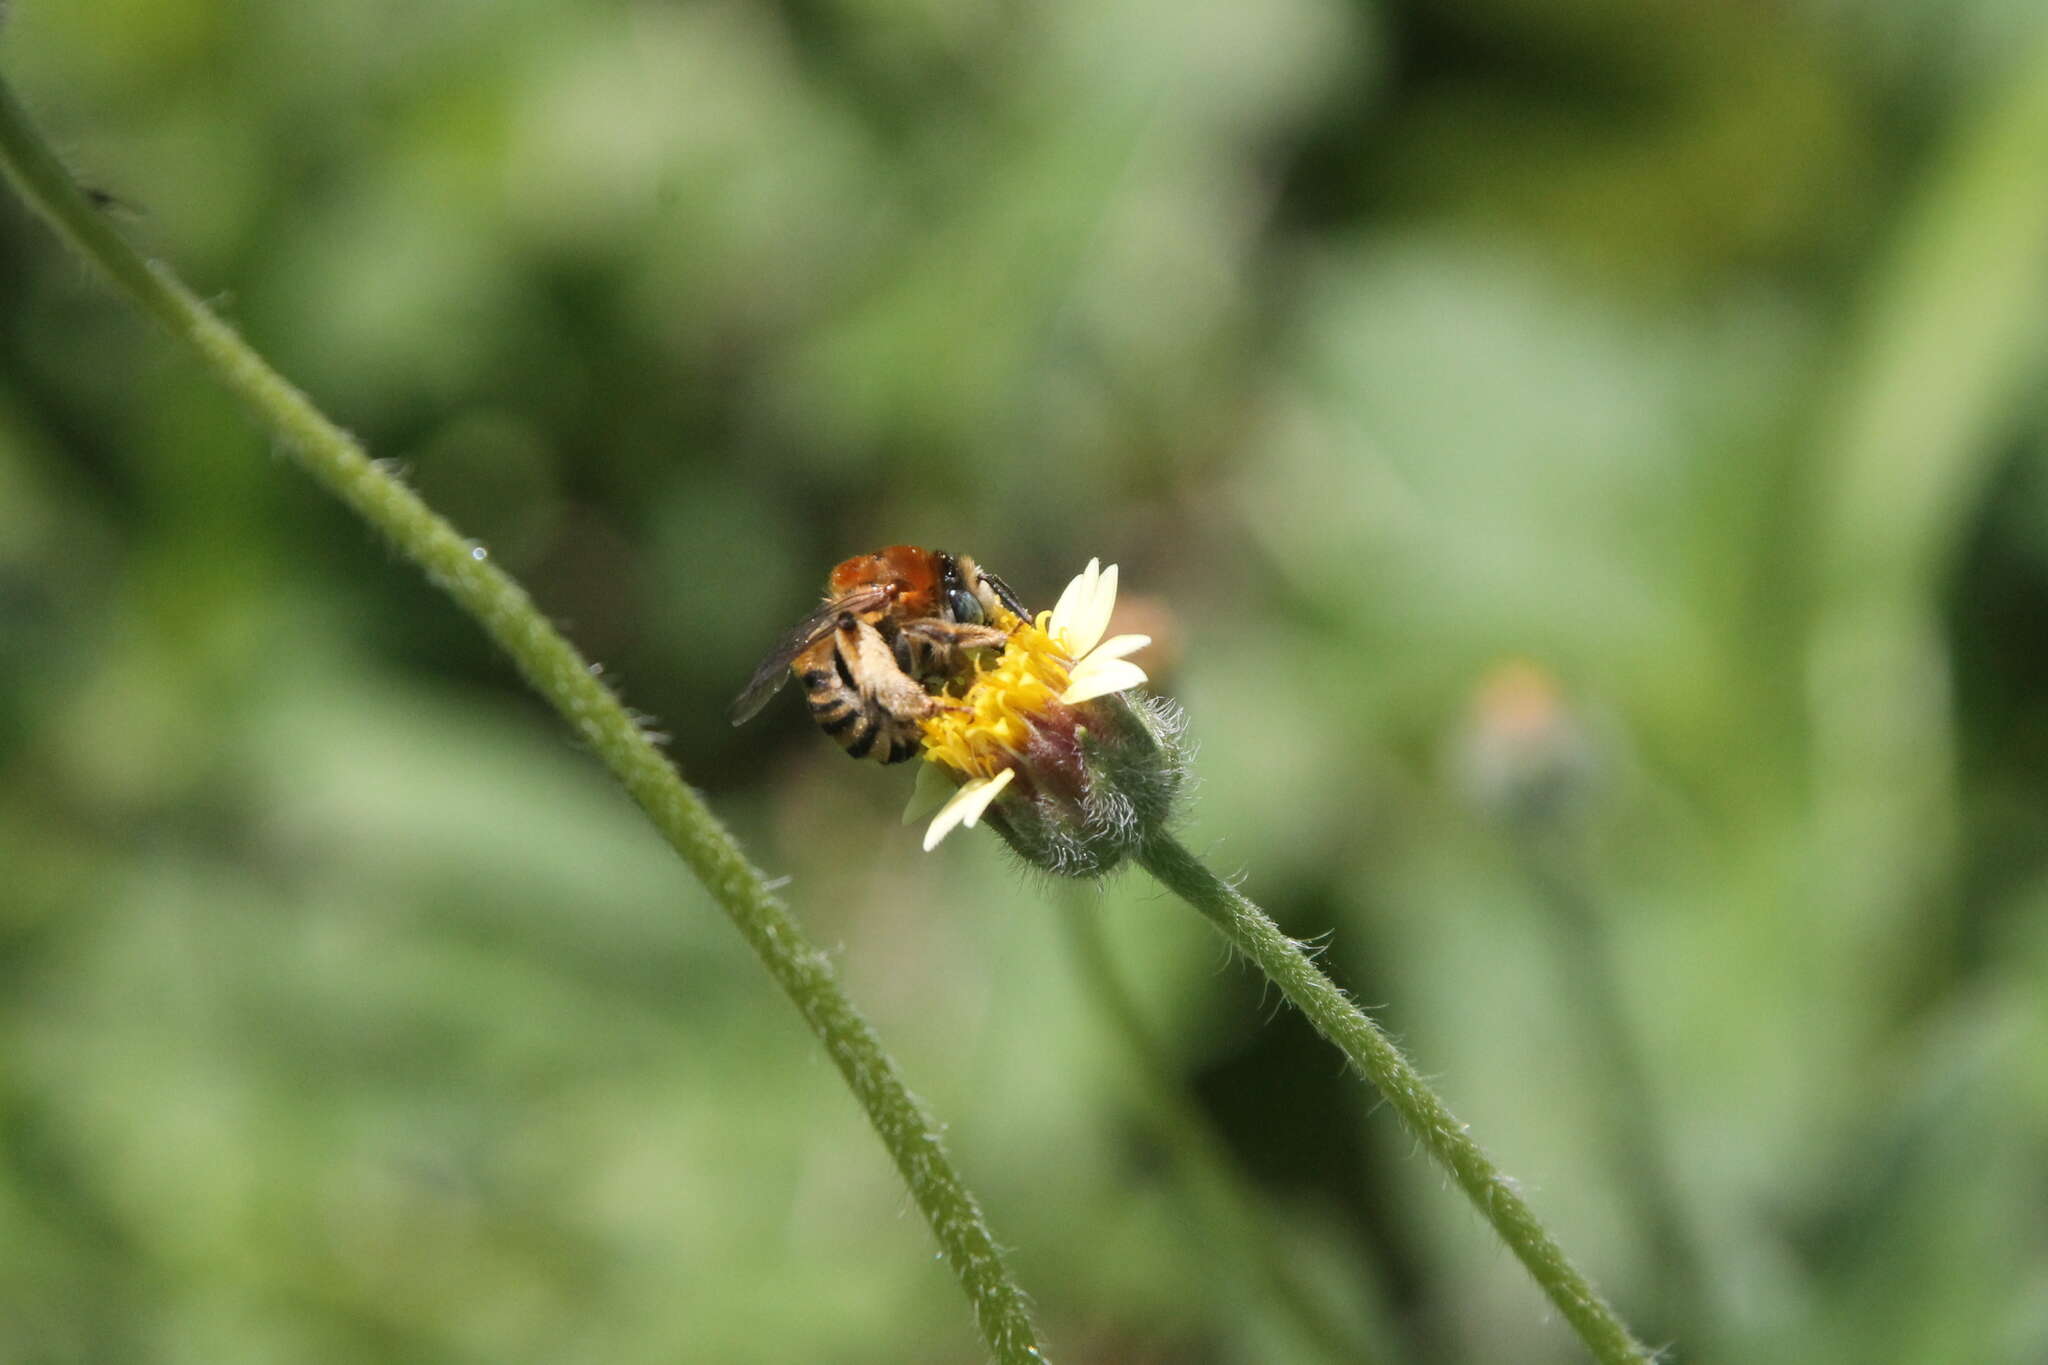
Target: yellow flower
1026,714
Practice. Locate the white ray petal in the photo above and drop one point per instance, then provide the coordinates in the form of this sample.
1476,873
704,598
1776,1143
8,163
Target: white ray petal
932,791
1091,679
1072,602
1091,617
966,806
1116,646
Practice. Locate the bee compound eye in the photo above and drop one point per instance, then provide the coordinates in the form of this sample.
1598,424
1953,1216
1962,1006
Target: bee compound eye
966,608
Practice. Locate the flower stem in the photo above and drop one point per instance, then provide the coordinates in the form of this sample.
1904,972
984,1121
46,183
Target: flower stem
560,674
1426,1116
1245,1228
1557,871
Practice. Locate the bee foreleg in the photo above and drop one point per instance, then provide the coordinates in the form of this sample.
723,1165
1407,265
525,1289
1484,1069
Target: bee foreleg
942,637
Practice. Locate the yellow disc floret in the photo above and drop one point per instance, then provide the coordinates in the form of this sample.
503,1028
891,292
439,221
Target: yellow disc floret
988,727
1036,738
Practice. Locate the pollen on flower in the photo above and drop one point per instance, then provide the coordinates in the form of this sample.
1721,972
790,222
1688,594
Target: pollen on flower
991,724
1057,659
1068,771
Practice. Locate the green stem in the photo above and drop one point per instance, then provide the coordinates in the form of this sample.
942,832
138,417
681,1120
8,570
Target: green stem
1246,1229
560,674
1426,1116
1588,959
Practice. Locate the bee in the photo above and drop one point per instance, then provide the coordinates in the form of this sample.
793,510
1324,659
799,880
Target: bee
895,624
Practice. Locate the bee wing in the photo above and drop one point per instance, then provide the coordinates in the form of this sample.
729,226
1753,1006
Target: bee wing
774,669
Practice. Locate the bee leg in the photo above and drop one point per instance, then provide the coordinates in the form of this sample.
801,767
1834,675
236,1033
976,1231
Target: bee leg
871,662
951,635
992,591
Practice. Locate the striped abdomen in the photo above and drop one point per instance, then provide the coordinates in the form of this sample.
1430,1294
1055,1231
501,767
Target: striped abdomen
866,704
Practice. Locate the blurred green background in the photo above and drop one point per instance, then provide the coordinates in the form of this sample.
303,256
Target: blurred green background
1690,355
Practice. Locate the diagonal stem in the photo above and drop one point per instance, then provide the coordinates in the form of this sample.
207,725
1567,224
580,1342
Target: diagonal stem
1587,955
559,673
1424,1114
1247,1230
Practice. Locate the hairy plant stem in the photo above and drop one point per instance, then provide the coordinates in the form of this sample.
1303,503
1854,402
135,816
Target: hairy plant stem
1247,1231
1683,1297
559,673
1290,967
